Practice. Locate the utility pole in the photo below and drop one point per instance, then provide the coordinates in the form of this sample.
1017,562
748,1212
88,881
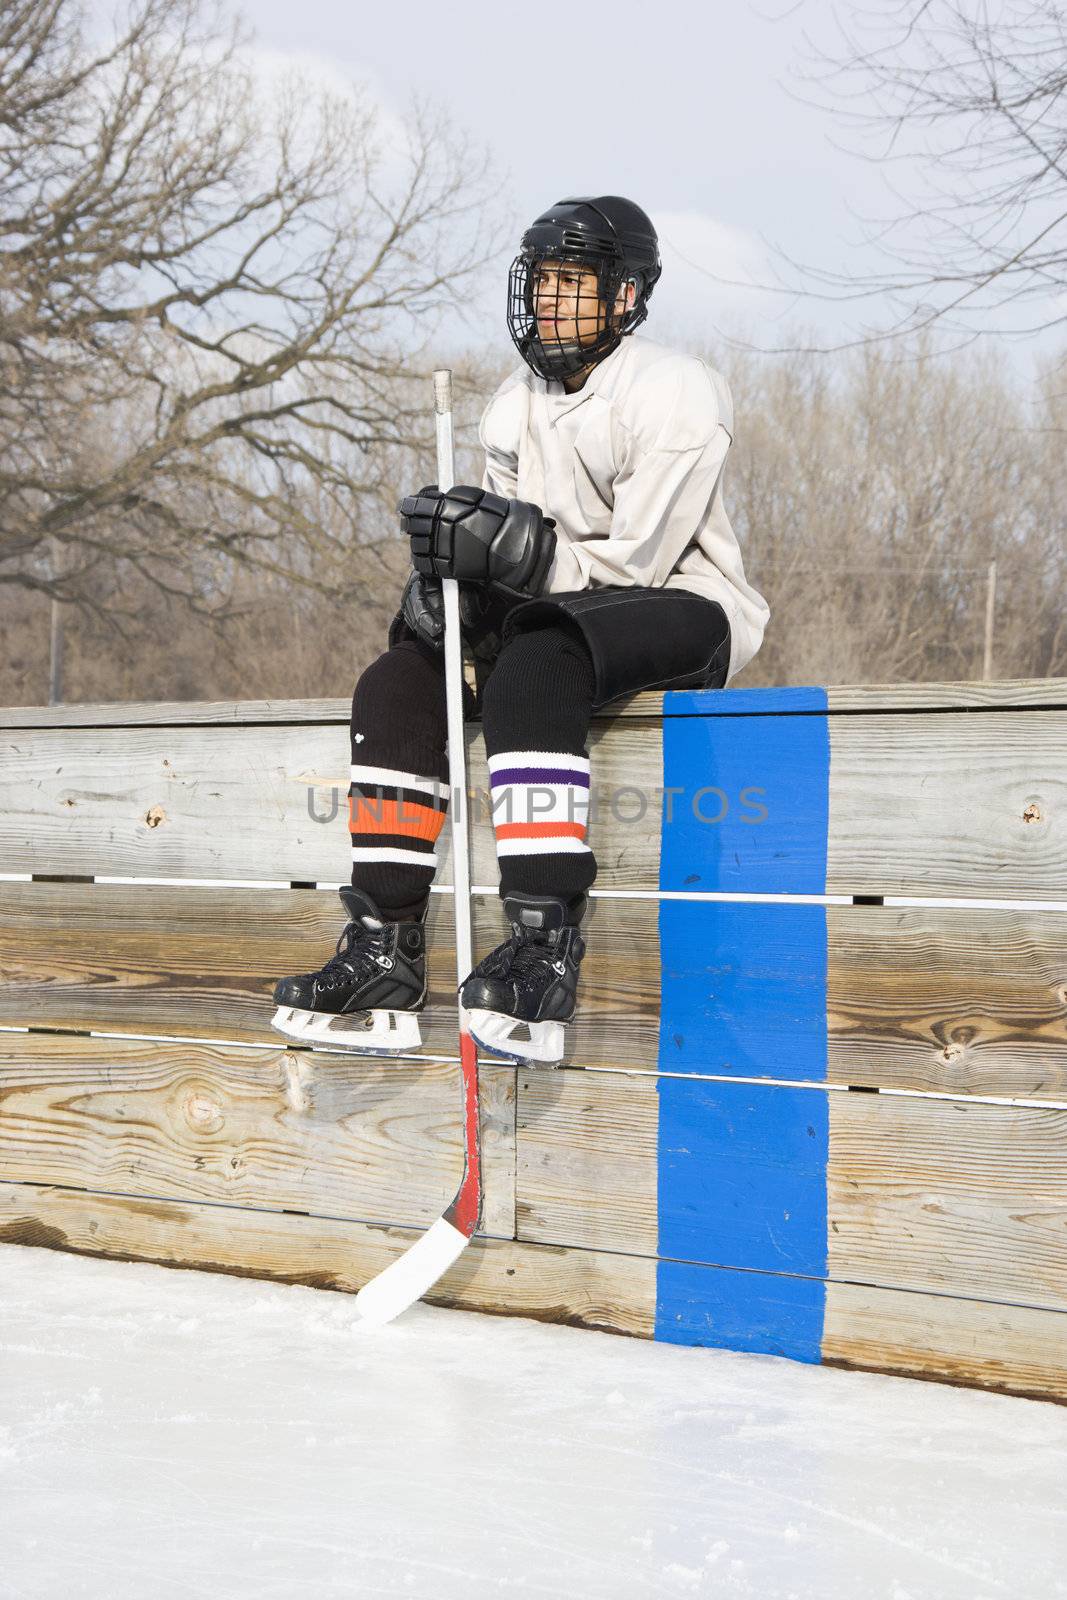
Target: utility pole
990,602
55,649
55,657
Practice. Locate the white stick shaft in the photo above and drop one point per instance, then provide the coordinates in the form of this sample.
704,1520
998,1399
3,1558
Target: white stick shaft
457,755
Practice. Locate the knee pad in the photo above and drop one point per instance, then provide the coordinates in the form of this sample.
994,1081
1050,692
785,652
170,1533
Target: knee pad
557,653
399,709
540,688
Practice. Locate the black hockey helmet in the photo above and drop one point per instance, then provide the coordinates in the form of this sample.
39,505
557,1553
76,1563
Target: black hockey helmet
602,233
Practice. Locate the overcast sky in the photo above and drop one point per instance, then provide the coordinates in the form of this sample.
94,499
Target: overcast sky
690,109
682,107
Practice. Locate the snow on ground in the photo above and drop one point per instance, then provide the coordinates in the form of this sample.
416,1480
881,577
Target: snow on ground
170,1434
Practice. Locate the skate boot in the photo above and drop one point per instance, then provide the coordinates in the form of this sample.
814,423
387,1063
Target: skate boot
518,998
367,995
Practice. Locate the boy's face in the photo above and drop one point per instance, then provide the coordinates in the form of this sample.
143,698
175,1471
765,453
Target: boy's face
567,303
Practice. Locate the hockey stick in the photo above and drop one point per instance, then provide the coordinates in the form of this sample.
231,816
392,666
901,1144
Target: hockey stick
407,1279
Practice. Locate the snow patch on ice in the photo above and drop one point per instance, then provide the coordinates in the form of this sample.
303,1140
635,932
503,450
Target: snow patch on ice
187,1433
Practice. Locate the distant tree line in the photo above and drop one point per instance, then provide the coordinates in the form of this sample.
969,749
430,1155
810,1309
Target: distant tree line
873,488
870,493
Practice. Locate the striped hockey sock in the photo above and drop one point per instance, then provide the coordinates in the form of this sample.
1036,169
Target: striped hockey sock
540,803
536,709
398,793
395,818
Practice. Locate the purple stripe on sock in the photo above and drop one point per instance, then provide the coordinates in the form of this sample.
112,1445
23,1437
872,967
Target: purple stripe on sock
539,775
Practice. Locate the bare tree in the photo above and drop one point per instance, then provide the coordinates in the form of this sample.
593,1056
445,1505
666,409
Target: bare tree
870,494
967,102
212,305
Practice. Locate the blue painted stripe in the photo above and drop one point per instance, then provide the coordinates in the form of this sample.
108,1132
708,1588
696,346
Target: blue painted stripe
742,1167
742,1175
739,1310
743,702
743,989
745,804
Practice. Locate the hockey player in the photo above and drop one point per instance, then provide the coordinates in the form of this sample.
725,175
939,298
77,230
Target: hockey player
596,559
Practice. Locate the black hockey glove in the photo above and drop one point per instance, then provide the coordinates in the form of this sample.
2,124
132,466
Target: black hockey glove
477,536
422,606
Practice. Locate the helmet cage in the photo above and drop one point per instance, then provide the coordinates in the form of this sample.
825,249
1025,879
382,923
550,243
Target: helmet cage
546,353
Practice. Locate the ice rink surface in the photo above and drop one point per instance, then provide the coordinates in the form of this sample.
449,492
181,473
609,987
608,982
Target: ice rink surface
167,1434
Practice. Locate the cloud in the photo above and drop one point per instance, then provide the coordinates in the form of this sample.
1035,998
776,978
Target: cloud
273,69
711,270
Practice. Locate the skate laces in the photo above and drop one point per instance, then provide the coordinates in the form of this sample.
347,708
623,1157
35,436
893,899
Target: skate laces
524,951
348,959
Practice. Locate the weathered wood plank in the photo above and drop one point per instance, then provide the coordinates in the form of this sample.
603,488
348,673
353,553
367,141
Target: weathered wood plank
201,802
951,999
931,804
586,1167
263,803
1012,1348
203,962
954,999
954,1196
1007,693
939,804
330,1134
611,1292
965,1001
958,1196
186,960
965,695
176,713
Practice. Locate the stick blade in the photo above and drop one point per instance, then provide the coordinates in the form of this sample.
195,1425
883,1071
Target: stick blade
407,1279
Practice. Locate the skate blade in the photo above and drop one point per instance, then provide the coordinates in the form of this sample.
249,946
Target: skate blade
494,1031
386,1033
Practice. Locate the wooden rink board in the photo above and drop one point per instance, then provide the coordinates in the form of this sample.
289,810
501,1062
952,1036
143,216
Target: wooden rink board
951,999
944,1196
928,803
374,1140
1014,1349
1003,694
659,1192
575,1161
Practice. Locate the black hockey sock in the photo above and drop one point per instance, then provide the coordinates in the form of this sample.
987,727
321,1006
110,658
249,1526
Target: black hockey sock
398,793
536,707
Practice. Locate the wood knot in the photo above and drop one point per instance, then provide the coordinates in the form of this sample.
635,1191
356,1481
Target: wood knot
155,816
1032,812
203,1113
297,1075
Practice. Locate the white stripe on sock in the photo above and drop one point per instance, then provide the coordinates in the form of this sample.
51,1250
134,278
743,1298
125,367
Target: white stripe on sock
540,802
565,845
538,758
390,852
395,779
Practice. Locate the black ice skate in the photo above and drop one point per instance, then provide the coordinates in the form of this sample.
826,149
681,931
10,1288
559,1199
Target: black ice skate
367,995
518,998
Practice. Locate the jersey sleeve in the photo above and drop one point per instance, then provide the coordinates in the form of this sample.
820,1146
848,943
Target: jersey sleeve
501,474
662,496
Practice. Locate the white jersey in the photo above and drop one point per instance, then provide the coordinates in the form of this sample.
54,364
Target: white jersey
630,466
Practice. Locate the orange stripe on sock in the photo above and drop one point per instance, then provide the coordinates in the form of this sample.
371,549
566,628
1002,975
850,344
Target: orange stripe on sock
393,816
540,830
